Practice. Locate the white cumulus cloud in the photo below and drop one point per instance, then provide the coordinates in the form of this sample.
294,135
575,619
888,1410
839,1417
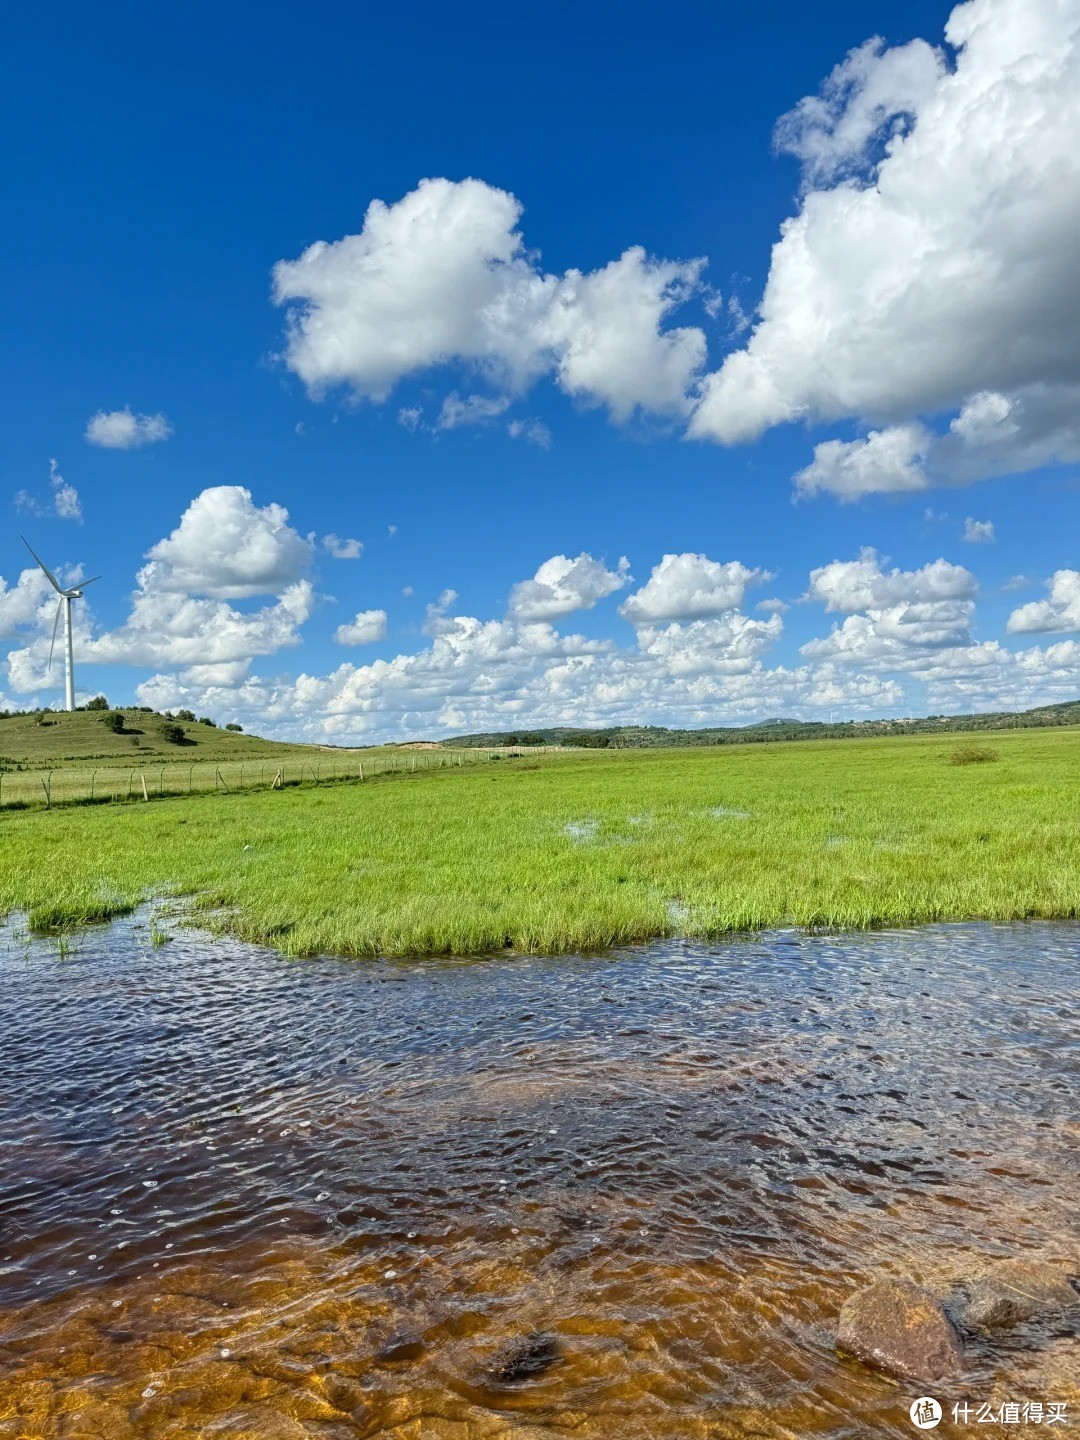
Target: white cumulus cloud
228,547
368,625
562,585
689,587
443,275
932,267
1059,612
891,612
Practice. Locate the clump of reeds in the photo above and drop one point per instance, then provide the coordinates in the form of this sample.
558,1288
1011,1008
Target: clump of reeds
973,755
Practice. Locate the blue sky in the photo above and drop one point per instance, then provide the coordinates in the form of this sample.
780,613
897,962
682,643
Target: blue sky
482,379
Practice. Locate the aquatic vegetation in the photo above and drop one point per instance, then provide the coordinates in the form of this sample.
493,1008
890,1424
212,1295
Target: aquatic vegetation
470,860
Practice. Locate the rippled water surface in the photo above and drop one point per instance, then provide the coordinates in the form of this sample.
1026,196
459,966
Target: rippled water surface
619,1196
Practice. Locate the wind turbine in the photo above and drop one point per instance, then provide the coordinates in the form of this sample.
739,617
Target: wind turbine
64,604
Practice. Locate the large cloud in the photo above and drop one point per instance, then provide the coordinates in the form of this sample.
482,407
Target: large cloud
562,585
892,615
443,275
228,547
689,587
935,268
225,547
1060,611
29,602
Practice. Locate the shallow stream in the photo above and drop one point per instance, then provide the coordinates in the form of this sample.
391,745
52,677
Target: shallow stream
619,1196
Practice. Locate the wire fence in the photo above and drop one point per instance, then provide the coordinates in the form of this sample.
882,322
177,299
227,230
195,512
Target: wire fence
106,784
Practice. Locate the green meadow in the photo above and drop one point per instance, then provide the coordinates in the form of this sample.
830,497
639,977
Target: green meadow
581,850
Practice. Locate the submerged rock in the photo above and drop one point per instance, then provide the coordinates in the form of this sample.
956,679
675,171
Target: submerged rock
523,1358
897,1327
402,1345
1016,1290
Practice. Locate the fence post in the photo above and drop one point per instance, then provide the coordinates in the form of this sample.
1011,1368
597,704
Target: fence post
145,792
190,777
241,786
93,777
161,781
131,781
221,777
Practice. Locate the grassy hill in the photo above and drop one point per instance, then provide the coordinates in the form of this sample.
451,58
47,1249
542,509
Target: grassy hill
56,739
638,737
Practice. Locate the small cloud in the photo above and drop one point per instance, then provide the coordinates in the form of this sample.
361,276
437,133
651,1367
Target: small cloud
391,531
934,517
124,430
24,501
342,549
534,431
368,626
436,621
410,417
773,607
978,532
473,410
740,320
1017,582
407,590
299,428
65,497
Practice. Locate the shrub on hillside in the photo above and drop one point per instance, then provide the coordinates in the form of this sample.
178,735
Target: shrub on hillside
173,734
97,703
188,715
114,722
205,720
232,725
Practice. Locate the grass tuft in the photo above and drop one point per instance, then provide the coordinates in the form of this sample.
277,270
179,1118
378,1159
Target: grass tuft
973,755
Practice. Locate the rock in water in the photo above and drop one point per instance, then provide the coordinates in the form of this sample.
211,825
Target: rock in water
523,1358
1017,1290
901,1329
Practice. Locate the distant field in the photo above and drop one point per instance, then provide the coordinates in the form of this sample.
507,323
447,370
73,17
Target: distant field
585,850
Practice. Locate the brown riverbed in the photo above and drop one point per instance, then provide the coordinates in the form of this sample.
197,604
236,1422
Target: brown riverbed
618,1196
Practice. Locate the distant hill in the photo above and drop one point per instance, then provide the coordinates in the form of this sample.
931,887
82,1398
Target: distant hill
634,737
56,738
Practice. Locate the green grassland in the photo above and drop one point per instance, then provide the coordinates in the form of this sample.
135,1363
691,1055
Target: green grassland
583,849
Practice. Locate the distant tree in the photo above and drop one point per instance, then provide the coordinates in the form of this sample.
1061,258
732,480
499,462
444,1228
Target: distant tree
188,715
232,725
114,721
173,734
98,703
205,720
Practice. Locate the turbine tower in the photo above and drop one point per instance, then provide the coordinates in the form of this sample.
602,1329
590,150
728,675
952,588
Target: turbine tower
63,604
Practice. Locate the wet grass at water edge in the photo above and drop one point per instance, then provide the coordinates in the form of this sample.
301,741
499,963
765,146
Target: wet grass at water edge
587,851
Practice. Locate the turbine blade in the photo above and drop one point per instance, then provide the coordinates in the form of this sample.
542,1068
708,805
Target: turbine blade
56,626
51,577
84,583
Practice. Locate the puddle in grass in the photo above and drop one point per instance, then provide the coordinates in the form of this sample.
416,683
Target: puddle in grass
617,1197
